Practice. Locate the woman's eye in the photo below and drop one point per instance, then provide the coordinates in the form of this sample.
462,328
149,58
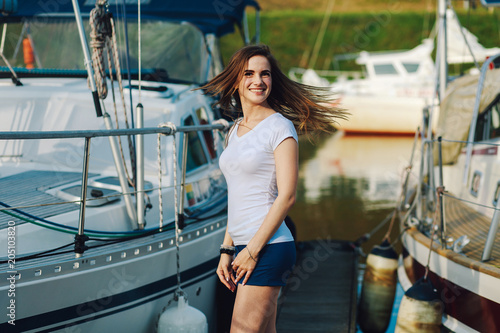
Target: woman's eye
248,74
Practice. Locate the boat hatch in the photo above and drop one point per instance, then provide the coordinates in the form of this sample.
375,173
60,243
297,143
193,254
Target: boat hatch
113,183
96,196
31,189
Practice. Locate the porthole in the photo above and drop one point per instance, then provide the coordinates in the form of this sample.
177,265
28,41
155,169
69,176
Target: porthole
475,183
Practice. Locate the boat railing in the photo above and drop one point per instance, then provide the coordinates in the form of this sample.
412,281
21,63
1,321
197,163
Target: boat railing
441,193
427,176
295,73
87,135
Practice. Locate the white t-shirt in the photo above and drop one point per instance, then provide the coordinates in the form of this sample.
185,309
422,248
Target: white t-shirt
250,171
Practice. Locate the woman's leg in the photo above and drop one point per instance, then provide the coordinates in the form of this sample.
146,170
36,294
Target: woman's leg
255,309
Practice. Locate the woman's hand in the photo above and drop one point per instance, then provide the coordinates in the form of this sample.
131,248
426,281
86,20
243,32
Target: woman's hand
225,272
243,265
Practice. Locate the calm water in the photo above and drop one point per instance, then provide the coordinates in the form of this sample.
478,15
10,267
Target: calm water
347,186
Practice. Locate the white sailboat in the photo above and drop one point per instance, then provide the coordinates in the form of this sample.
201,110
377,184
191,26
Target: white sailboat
88,212
388,95
450,216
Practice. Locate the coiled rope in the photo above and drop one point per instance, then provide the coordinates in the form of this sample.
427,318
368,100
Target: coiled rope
103,35
99,32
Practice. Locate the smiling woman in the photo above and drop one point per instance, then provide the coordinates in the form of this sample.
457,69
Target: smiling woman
309,108
256,83
260,164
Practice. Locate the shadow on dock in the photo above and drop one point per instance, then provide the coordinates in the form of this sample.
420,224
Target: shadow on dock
321,293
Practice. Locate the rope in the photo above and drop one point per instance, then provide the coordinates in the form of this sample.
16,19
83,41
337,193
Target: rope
471,202
89,199
404,183
98,34
178,291
368,235
103,34
473,142
23,216
439,191
160,196
118,71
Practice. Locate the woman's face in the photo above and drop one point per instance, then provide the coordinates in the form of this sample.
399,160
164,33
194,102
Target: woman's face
255,85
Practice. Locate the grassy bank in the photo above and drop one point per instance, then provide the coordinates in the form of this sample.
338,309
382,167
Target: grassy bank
292,34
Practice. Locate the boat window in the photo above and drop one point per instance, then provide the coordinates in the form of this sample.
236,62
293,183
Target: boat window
496,195
195,154
479,134
411,67
385,69
495,121
202,115
171,51
488,124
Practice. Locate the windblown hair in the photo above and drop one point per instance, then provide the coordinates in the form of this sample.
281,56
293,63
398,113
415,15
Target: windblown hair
309,108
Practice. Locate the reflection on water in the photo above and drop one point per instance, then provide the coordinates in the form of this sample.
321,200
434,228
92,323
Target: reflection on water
348,184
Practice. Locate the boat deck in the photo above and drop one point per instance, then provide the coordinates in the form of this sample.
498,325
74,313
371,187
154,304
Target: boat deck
463,220
320,295
29,189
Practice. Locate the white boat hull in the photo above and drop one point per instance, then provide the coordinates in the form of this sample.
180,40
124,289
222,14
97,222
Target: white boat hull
123,291
382,114
470,295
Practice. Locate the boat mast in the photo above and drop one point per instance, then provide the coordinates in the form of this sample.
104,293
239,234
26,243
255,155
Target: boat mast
131,211
88,62
442,49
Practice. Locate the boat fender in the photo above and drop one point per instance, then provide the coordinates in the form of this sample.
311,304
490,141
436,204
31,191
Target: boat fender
182,318
379,289
29,55
420,310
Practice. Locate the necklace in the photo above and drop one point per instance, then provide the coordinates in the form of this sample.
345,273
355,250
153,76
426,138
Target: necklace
250,128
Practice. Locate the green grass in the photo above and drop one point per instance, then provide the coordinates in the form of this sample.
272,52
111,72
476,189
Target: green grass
292,34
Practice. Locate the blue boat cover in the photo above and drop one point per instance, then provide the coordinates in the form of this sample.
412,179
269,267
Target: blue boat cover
211,16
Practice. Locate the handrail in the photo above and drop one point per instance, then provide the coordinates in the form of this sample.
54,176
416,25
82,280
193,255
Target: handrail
30,135
495,221
472,128
80,237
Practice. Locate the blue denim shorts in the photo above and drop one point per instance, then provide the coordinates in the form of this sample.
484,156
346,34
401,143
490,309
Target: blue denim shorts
274,265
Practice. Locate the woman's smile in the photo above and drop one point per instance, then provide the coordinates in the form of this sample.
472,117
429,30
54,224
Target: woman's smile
255,85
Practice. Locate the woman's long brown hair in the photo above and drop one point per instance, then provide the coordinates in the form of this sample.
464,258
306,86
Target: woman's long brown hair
309,108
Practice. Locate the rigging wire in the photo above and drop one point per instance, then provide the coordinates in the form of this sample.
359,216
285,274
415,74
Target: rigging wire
139,46
127,48
465,38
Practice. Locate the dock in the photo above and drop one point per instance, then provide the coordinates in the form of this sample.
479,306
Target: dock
321,293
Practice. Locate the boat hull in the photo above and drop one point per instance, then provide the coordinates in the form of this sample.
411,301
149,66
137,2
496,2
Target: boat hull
387,115
469,292
121,291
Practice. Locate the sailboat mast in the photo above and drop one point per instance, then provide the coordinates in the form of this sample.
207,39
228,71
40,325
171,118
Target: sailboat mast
442,48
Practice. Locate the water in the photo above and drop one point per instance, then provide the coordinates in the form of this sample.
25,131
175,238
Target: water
347,186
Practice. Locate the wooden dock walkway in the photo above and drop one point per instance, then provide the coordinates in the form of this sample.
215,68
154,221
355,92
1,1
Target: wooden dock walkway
321,293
